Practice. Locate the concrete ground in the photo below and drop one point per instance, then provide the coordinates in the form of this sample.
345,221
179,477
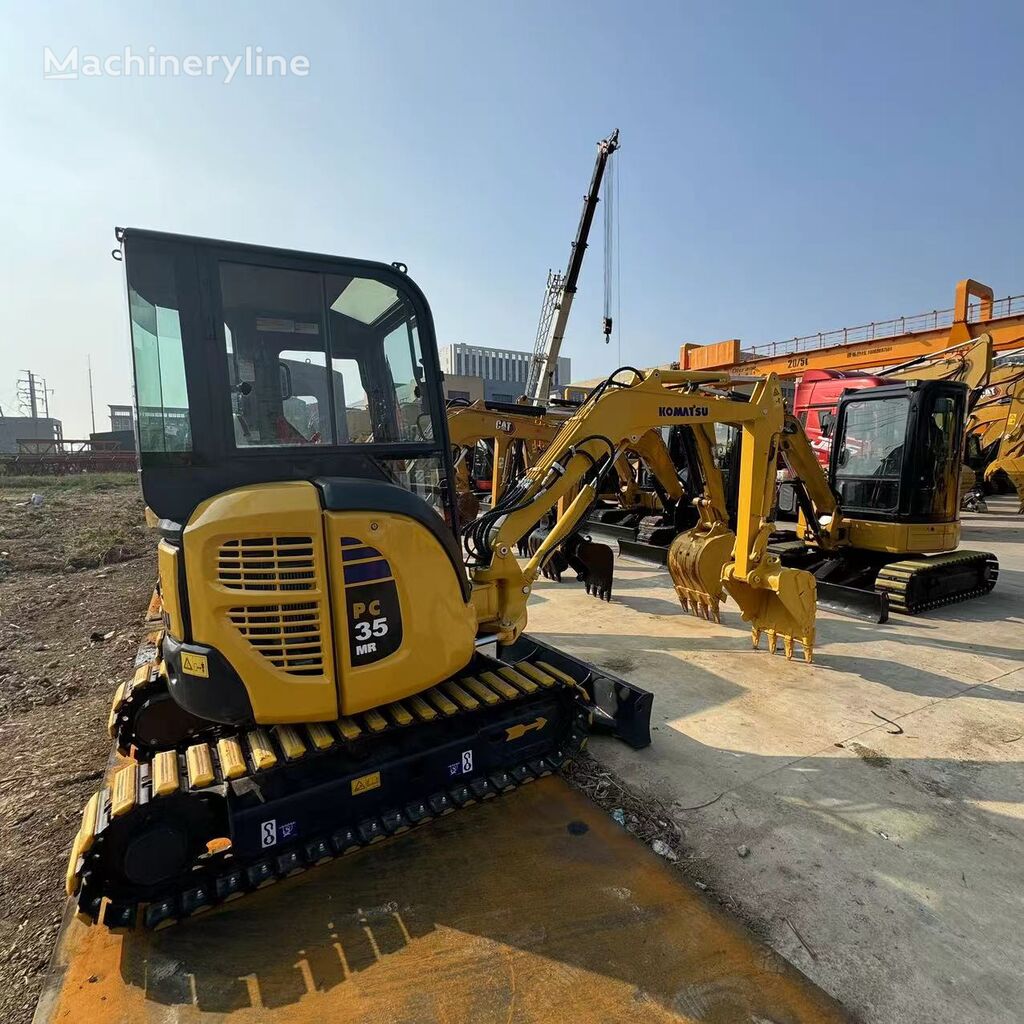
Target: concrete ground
889,868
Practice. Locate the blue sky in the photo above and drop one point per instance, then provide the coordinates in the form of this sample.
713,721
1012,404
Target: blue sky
785,167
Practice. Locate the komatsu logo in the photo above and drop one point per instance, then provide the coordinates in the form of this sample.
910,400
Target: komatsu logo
683,410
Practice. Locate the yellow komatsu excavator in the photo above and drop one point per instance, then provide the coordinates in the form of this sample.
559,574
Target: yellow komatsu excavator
328,673
896,471
513,437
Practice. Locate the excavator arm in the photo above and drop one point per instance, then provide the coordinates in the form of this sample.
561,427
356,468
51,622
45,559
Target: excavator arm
614,419
1010,456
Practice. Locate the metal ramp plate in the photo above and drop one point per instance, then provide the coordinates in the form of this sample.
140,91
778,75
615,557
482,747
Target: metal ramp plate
533,908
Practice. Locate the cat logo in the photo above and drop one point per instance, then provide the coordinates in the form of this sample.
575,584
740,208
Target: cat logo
195,665
506,426
365,783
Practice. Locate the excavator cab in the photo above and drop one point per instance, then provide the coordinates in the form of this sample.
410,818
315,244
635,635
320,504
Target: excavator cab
255,364
294,447
896,457
893,476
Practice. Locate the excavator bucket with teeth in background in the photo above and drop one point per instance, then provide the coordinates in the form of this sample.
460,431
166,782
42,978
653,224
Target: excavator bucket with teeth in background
696,561
778,602
594,565
592,561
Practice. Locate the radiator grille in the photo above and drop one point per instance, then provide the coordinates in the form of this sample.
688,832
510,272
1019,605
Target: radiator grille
287,635
266,563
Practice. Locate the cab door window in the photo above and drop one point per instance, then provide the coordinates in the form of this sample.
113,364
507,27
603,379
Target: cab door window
277,364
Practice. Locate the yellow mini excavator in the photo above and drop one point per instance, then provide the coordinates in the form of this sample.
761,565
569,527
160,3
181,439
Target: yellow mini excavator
329,673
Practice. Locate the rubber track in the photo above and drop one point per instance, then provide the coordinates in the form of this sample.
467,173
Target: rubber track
895,578
256,752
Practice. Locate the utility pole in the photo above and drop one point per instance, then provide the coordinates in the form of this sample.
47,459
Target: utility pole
92,408
28,387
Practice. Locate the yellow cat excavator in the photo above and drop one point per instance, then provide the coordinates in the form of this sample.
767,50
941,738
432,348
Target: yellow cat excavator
328,673
1009,457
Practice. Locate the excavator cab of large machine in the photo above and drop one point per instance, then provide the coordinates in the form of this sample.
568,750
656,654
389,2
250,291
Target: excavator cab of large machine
896,451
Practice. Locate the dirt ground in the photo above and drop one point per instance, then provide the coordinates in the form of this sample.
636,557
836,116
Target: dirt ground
76,572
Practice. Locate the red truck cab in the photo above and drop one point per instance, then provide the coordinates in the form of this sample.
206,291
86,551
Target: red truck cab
814,404
816,398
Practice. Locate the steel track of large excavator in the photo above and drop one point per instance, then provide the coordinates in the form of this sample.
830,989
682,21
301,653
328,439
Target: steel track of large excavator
178,831
916,585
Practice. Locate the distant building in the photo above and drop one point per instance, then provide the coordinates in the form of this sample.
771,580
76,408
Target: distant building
17,428
462,388
121,417
504,372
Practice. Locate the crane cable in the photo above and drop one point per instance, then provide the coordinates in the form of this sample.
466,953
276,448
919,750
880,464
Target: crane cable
610,223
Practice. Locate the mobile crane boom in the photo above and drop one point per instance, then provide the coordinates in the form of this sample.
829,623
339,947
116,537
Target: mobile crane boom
548,343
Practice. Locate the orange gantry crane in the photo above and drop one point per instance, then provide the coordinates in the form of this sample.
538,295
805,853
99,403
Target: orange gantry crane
874,345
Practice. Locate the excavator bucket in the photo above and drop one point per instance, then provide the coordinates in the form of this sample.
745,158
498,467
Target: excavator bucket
1013,467
696,561
593,562
554,565
778,602
594,565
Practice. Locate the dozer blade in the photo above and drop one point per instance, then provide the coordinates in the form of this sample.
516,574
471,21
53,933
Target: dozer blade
696,560
872,605
778,602
594,565
655,555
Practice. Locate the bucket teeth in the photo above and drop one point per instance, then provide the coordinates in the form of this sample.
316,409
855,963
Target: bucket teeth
260,750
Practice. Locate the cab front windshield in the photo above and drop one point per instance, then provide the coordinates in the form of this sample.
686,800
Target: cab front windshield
871,454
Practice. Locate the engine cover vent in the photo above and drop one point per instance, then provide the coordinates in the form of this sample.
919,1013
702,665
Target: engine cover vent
267,563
